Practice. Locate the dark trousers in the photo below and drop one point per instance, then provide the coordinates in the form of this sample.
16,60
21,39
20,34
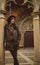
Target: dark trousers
14,54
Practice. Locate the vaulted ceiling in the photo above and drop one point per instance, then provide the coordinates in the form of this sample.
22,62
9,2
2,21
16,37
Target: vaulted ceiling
20,7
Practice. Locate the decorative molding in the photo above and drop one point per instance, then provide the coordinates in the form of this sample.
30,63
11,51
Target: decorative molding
11,1
35,14
3,12
2,17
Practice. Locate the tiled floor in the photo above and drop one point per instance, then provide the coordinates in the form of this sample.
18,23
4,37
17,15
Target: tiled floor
25,57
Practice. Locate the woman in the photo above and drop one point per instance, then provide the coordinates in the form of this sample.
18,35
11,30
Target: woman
12,38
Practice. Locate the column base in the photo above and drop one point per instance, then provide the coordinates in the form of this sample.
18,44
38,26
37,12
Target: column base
2,63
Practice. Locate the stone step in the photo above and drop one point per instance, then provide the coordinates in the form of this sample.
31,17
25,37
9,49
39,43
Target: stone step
8,60
8,57
9,64
7,54
19,64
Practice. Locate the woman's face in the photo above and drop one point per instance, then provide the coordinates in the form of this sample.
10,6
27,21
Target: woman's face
12,21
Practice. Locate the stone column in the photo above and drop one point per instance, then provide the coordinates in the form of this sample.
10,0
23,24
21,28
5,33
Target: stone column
36,38
2,19
2,23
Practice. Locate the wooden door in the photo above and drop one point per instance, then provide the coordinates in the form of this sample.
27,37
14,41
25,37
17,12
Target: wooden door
28,39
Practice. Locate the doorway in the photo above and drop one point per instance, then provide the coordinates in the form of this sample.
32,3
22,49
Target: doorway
28,39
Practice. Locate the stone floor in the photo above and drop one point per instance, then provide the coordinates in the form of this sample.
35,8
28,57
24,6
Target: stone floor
25,57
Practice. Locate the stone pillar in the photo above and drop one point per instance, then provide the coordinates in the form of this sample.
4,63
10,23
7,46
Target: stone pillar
36,38
2,19
2,23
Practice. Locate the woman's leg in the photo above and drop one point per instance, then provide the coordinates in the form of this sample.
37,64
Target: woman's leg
14,54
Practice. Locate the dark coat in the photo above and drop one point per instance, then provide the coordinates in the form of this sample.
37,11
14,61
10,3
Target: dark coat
11,44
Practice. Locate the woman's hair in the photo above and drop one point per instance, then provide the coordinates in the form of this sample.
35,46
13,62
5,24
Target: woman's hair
10,18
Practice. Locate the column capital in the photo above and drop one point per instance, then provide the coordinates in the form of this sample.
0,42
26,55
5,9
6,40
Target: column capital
2,16
3,12
35,14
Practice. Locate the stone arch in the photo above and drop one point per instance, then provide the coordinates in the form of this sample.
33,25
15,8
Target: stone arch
25,25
